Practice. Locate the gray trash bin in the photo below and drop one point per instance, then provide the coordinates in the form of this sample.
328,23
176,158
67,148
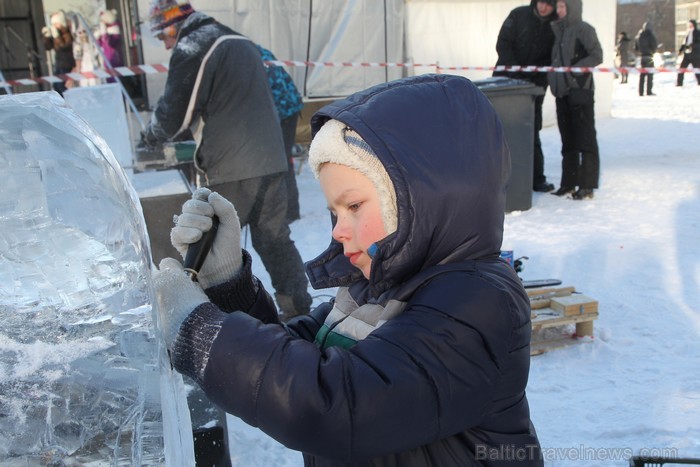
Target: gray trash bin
514,101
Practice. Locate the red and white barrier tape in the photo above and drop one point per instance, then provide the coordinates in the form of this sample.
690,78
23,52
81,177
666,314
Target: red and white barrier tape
163,68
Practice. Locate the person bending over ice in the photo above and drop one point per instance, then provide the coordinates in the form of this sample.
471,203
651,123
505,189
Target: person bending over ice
423,356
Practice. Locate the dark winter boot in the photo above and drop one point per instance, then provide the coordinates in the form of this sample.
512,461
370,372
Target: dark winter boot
543,187
583,193
564,190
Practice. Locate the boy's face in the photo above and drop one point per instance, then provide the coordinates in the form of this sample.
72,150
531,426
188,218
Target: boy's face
561,9
354,201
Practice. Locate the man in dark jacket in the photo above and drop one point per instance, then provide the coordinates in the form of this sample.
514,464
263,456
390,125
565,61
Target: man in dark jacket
423,356
217,87
526,39
645,45
690,49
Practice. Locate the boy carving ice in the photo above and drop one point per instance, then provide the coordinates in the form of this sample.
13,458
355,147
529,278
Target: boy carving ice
423,356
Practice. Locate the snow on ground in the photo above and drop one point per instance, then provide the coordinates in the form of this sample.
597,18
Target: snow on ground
634,388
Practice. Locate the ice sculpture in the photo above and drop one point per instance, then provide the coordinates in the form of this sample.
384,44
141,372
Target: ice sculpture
83,377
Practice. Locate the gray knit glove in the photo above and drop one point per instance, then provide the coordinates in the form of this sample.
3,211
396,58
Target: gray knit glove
176,297
224,261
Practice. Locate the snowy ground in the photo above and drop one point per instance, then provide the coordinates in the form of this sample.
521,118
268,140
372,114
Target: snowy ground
634,388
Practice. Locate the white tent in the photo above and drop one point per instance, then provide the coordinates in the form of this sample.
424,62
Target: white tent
451,33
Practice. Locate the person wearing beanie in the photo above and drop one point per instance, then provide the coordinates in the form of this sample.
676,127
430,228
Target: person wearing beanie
59,38
422,357
165,18
338,144
526,39
690,51
217,87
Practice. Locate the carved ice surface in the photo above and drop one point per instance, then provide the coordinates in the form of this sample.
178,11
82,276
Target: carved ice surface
83,378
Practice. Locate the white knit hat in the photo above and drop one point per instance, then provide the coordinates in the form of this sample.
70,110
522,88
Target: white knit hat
337,143
59,19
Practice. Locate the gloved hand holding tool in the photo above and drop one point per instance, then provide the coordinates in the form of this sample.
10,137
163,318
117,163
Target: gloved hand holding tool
207,234
177,295
199,218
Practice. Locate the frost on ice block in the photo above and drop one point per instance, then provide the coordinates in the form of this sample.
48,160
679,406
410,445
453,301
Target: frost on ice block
84,379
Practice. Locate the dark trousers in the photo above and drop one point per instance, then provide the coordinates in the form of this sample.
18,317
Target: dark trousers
60,87
261,204
580,166
688,60
538,177
289,134
647,62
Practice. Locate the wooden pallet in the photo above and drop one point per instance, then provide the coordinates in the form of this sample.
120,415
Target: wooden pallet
556,307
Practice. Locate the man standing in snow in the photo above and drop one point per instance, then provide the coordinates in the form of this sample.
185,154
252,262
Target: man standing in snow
217,87
622,55
526,39
690,49
645,44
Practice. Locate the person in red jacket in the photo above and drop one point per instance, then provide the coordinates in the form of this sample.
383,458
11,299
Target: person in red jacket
422,357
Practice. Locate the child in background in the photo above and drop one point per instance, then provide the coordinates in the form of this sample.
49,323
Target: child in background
423,356
58,37
109,37
86,55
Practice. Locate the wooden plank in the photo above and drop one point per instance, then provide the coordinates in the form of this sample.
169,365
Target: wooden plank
560,306
541,298
577,304
548,317
550,291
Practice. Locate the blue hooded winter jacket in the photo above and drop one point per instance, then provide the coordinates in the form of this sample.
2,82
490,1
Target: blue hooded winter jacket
443,383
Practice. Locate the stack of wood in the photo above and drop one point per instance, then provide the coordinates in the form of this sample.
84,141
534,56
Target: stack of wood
560,306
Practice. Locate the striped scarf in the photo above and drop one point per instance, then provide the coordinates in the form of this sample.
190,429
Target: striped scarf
348,323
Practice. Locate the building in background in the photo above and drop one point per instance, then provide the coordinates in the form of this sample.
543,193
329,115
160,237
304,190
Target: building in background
631,15
21,46
669,17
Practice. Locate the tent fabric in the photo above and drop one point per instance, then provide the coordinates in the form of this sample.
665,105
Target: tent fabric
447,32
337,31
